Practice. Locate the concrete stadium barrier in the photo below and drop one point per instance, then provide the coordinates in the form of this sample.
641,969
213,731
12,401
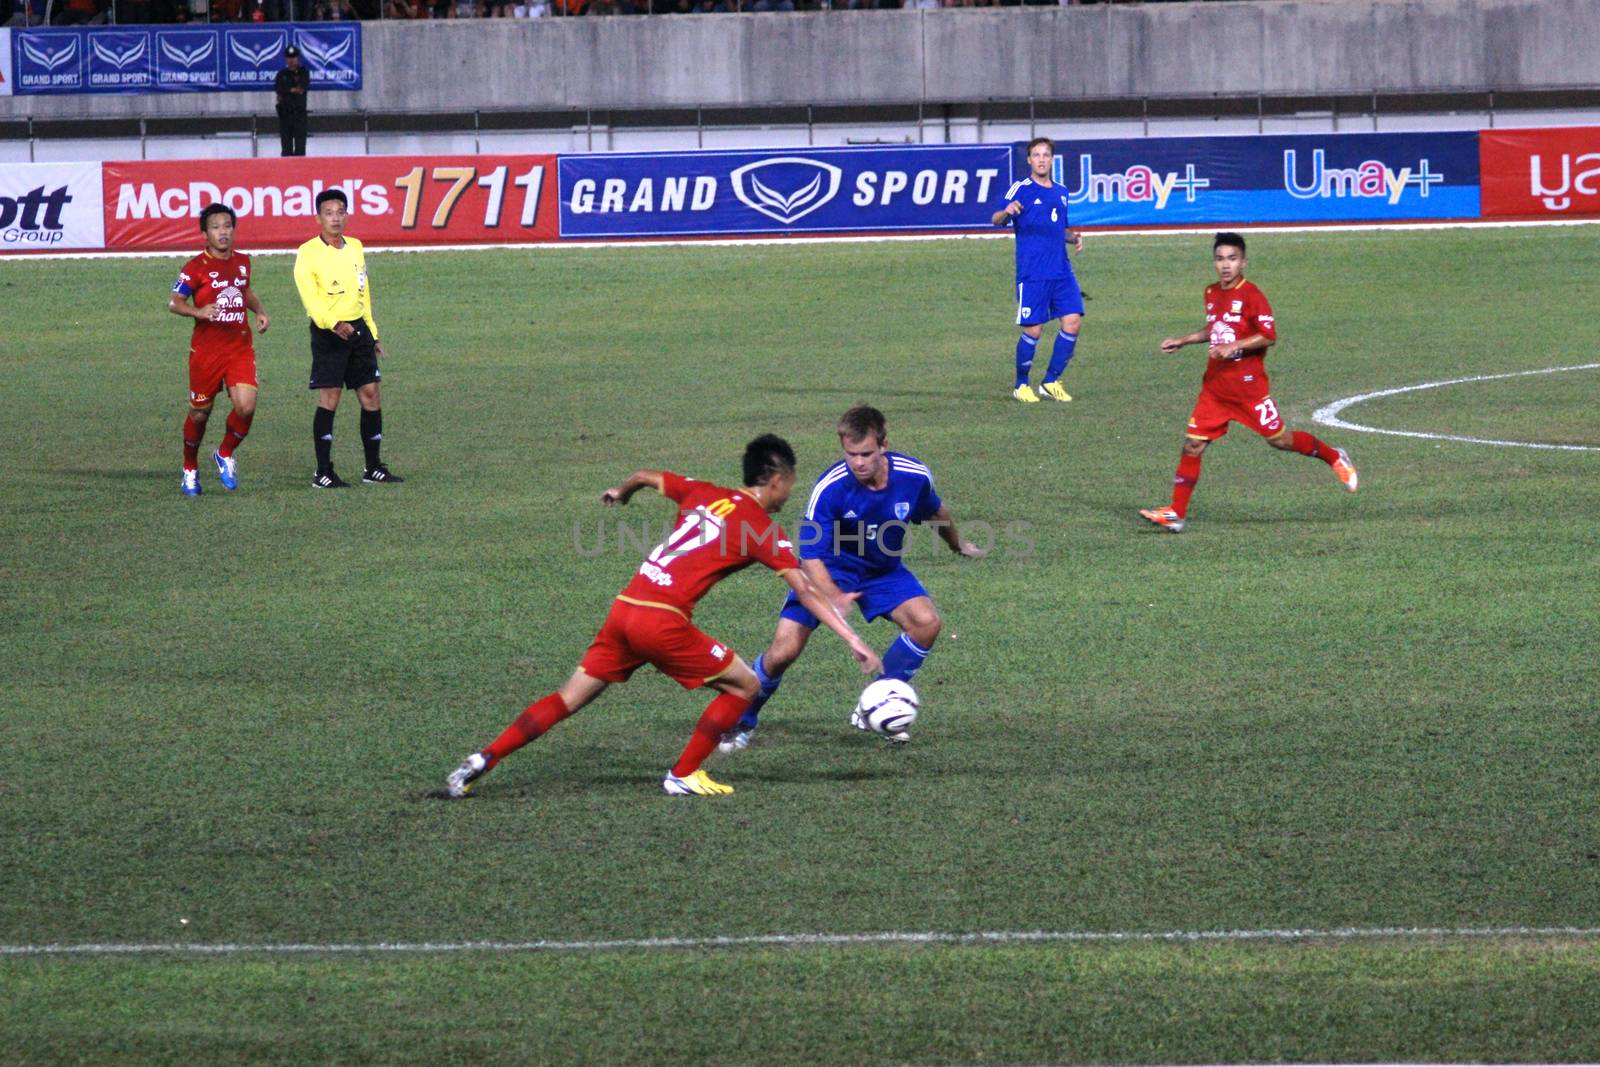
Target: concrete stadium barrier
935,56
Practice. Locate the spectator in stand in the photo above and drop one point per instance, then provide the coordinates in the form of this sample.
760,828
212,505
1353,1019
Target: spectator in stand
771,5
80,13
27,13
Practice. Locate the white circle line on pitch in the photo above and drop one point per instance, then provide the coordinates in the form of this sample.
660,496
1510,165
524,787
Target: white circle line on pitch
1328,415
993,937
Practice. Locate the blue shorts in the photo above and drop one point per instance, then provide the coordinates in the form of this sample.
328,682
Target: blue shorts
880,594
1039,302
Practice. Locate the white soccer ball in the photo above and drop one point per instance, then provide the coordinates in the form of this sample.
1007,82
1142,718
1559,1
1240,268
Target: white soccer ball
887,706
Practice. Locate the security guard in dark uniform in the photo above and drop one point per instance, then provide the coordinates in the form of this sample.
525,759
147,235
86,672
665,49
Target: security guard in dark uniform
291,85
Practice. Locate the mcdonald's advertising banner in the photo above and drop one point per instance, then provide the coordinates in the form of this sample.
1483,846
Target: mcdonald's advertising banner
181,59
393,200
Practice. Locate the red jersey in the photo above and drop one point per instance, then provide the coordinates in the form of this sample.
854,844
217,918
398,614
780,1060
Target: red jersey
719,531
221,282
1232,315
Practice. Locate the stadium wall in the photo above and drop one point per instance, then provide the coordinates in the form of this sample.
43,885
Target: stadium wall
402,201
934,56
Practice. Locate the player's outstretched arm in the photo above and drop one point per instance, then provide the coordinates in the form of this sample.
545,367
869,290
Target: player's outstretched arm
1006,214
822,581
943,522
621,494
818,605
1172,344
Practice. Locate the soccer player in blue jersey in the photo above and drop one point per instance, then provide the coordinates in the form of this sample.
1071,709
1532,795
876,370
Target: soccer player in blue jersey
852,540
1046,289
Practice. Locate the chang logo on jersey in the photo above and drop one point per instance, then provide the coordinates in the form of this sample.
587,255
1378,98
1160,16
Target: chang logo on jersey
34,218
1371,178
254,56
187,58
1557,194
119,59
1136,184
786,188
48,62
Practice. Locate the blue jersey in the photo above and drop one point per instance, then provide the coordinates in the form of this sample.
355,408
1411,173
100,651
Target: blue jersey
861,532
1041,230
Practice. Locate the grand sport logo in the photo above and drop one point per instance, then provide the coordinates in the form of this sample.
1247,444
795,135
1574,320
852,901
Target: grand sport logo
254,57
258,55
329,54
50,58
786,188
325,53
188,57
52,62
119,59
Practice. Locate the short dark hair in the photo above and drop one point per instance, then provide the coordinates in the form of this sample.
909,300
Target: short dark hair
766,456
863,421
1040,141
1232,240
335,193
217,209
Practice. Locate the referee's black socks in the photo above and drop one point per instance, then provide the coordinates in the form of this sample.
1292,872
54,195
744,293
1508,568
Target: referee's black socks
372,436
322,437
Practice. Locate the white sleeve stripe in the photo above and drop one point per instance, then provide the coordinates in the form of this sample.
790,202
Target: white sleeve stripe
1012,192
816,494
911,465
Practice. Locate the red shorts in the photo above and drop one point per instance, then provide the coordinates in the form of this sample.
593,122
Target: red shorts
209,372
634,635
1213,411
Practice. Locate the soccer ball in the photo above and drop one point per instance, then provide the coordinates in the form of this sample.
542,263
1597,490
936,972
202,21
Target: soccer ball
887,706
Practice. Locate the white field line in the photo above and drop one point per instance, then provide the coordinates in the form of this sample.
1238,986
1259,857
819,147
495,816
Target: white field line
800,240
1000,937
1329,414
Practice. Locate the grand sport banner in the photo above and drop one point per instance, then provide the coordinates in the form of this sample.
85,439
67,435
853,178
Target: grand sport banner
394,200
1334,177
820,190
183,59
50,207
1551,172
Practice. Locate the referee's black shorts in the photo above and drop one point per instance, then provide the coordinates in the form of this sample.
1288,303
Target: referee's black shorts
338,363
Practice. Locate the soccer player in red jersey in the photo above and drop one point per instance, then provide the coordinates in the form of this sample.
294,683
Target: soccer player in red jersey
214,290
719,531
1239,329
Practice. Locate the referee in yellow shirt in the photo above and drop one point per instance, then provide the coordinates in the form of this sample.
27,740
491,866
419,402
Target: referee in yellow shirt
330,270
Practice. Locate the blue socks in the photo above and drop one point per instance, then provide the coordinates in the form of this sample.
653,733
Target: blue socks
903,659
1025,349
769,686
1066,343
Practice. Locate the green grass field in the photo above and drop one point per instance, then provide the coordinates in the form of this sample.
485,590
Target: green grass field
226,720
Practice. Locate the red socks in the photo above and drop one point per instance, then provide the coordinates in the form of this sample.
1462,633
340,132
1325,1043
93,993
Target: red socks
719,717
1183,483
193,432
535,719
1307,445
238,428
